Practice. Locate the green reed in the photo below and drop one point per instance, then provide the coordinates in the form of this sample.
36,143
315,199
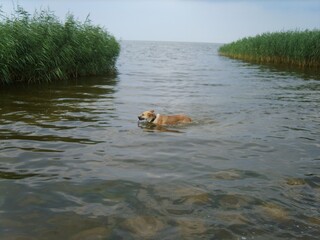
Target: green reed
41,48
299,48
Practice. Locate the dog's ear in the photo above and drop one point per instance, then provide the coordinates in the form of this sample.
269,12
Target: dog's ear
152,111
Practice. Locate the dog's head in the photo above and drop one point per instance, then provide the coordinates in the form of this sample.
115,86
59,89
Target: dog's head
149,116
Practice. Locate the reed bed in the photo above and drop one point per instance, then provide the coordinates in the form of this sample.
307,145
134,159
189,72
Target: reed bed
297,48
41,48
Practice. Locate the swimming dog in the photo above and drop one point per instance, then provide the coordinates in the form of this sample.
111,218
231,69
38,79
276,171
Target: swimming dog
152,117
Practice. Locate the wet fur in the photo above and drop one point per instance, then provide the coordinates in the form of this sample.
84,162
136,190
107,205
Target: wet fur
158,119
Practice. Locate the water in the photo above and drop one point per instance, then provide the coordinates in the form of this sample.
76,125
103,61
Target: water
75,164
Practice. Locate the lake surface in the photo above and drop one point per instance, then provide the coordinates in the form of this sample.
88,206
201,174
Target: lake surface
75,163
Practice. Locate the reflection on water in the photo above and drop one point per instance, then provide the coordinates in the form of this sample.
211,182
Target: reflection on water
150,127
76,164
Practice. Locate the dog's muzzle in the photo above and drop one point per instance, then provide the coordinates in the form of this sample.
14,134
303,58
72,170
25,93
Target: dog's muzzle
140,118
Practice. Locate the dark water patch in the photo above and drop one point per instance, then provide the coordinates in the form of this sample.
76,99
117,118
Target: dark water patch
17,175
48,138
285,70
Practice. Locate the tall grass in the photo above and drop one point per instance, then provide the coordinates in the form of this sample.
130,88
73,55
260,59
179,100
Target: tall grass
41,48
299,48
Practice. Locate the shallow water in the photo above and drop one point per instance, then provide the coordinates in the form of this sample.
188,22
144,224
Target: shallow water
75,163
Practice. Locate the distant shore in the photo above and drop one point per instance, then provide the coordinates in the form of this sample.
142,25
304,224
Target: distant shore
296,48
41,48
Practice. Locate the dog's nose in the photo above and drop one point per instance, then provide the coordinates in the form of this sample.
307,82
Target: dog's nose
140,118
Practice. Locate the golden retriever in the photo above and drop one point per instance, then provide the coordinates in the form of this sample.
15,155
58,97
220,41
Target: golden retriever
152,117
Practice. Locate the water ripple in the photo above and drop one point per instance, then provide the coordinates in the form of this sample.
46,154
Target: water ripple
75,163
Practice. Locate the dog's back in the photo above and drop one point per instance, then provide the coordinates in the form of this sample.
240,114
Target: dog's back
173,119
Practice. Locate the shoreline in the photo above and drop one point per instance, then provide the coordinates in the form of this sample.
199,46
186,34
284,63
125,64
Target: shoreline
294,48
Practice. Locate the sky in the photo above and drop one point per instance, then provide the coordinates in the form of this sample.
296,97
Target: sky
214,21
